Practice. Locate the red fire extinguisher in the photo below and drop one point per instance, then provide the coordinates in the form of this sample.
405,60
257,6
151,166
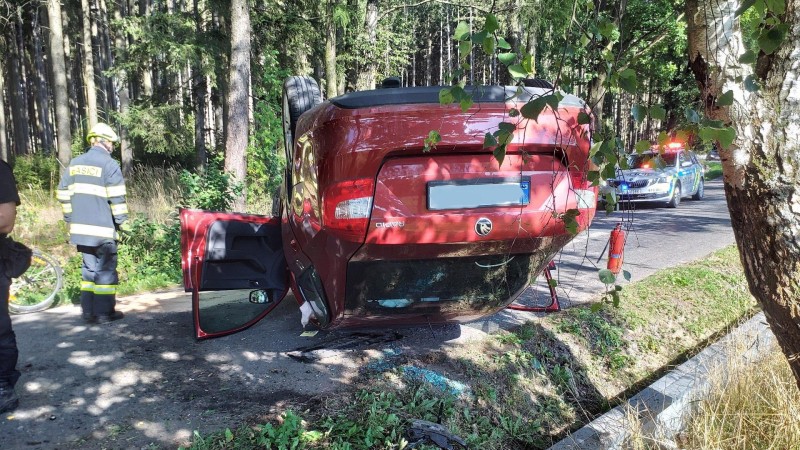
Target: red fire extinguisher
616,248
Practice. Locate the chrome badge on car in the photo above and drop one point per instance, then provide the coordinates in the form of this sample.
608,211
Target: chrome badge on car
483,226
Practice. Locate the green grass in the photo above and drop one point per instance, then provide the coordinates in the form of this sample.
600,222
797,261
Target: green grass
530,386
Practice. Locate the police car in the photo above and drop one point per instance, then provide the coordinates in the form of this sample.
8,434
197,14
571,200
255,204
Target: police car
662,174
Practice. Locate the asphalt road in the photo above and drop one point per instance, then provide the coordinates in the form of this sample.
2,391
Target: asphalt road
144,380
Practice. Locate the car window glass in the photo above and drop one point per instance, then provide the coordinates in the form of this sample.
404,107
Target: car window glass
651,160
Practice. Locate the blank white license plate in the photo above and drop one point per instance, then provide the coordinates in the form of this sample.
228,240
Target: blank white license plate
479,193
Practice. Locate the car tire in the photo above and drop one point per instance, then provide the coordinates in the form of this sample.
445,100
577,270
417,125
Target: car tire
676,196
537,83
701,191
299,95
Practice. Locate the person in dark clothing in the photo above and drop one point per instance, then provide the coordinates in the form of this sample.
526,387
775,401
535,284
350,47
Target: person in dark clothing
92,195
9,200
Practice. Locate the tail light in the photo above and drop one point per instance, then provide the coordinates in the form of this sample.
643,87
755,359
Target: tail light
585,193
347,206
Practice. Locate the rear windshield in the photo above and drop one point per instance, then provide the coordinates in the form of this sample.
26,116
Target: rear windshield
442,285
652,161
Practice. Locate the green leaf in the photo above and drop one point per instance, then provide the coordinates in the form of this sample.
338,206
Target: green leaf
552,283
658,112
527,64
228,435
533,108
725,99
628,81
663,138
503,44
642,146
430,142
489,44
627,275
507,58
466,103
478,38
584,119
595,148
517,71
596,307
506,127
726,136
513,112
491,24
606,276
462,32
585,40
499,154
778,7
749,57
446,96
552,101
464,48
638,112
570,220
770,40
489,140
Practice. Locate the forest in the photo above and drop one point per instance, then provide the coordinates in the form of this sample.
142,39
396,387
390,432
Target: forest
160,70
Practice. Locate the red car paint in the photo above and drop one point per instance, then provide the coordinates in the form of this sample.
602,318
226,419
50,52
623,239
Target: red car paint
379,148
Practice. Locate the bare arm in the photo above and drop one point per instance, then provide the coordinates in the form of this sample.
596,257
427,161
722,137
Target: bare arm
8,214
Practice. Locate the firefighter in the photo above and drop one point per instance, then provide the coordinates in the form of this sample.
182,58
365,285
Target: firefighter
92,197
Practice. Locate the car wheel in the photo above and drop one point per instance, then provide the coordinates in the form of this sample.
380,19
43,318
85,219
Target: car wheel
701,191
299,95
676,196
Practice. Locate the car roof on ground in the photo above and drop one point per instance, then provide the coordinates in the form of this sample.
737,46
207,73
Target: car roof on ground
430,94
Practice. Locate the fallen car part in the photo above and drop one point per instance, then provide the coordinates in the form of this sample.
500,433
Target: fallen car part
423,432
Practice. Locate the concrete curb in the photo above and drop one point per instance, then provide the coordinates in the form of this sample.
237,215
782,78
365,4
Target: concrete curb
663,405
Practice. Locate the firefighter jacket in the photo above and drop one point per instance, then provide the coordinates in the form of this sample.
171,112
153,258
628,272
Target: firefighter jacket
92,196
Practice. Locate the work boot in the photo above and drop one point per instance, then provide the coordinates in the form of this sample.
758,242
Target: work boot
105,318
89,318
8,399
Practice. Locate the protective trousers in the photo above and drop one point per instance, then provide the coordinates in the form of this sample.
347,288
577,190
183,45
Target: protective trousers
8,341
100,279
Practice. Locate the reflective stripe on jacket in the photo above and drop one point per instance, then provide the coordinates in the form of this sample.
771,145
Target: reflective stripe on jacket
92,197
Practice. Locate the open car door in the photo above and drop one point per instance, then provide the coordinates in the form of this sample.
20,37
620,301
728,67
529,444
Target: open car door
234,266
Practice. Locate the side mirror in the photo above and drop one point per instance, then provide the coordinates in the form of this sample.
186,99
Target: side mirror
260,296
686,164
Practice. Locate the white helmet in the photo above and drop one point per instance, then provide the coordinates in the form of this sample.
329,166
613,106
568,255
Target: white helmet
102,131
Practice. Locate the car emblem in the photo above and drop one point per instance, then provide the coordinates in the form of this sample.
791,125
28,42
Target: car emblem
483,226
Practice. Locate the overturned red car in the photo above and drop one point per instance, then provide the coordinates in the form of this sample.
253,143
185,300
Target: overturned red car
375,230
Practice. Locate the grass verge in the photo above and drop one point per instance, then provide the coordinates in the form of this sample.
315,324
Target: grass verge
713,170
521,389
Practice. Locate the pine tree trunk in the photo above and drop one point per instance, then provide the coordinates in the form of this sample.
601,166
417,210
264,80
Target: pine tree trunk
18,102
199,93
63,134
88,66
762,167
122,86
330,52
39,75
238,101
3,130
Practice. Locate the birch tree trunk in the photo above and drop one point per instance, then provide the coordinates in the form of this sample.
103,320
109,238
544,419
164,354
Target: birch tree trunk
88,66
61,98
238,101
761,168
